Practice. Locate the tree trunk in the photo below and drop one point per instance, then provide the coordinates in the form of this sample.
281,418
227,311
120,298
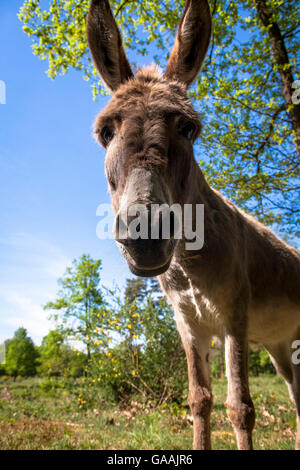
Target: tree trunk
282,61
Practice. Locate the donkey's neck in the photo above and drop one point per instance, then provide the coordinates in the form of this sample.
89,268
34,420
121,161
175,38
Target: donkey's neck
221,218
200,192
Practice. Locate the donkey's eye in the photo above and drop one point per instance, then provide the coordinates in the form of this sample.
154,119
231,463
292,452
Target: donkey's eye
112,184
188,130
107,134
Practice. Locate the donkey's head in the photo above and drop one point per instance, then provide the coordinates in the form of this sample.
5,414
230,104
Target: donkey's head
148,130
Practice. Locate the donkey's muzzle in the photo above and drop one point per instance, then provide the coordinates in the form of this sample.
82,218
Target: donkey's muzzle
146,239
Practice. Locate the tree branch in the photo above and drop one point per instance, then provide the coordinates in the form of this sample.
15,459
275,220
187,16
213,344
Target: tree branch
281,58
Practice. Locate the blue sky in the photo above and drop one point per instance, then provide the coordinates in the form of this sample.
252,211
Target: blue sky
51,182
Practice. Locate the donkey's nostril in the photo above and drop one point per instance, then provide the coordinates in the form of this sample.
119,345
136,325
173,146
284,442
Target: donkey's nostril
172,224
120,229
146,225
125,230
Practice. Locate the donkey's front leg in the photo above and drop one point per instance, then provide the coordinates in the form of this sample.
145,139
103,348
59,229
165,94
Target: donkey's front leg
200,397
196,344
240,409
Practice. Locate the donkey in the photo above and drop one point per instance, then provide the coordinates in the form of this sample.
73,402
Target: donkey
244,283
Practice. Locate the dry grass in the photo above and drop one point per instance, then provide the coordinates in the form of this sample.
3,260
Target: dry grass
29,433
31,419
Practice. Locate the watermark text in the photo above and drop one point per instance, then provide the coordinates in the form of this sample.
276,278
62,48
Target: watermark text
153,222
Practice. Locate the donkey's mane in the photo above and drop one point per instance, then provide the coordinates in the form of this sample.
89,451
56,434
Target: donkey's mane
149,73
150,86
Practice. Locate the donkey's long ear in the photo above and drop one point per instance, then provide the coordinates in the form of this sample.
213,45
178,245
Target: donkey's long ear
105,44
191,43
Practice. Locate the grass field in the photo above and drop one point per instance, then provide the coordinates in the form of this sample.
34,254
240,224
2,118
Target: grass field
38,414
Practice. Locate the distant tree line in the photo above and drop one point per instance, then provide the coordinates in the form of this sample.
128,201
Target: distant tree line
53,358
125,343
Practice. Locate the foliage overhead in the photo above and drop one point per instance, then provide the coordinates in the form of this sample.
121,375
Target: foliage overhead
247,148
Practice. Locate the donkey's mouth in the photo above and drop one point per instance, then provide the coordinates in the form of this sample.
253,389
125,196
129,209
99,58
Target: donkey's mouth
148,262
142,272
